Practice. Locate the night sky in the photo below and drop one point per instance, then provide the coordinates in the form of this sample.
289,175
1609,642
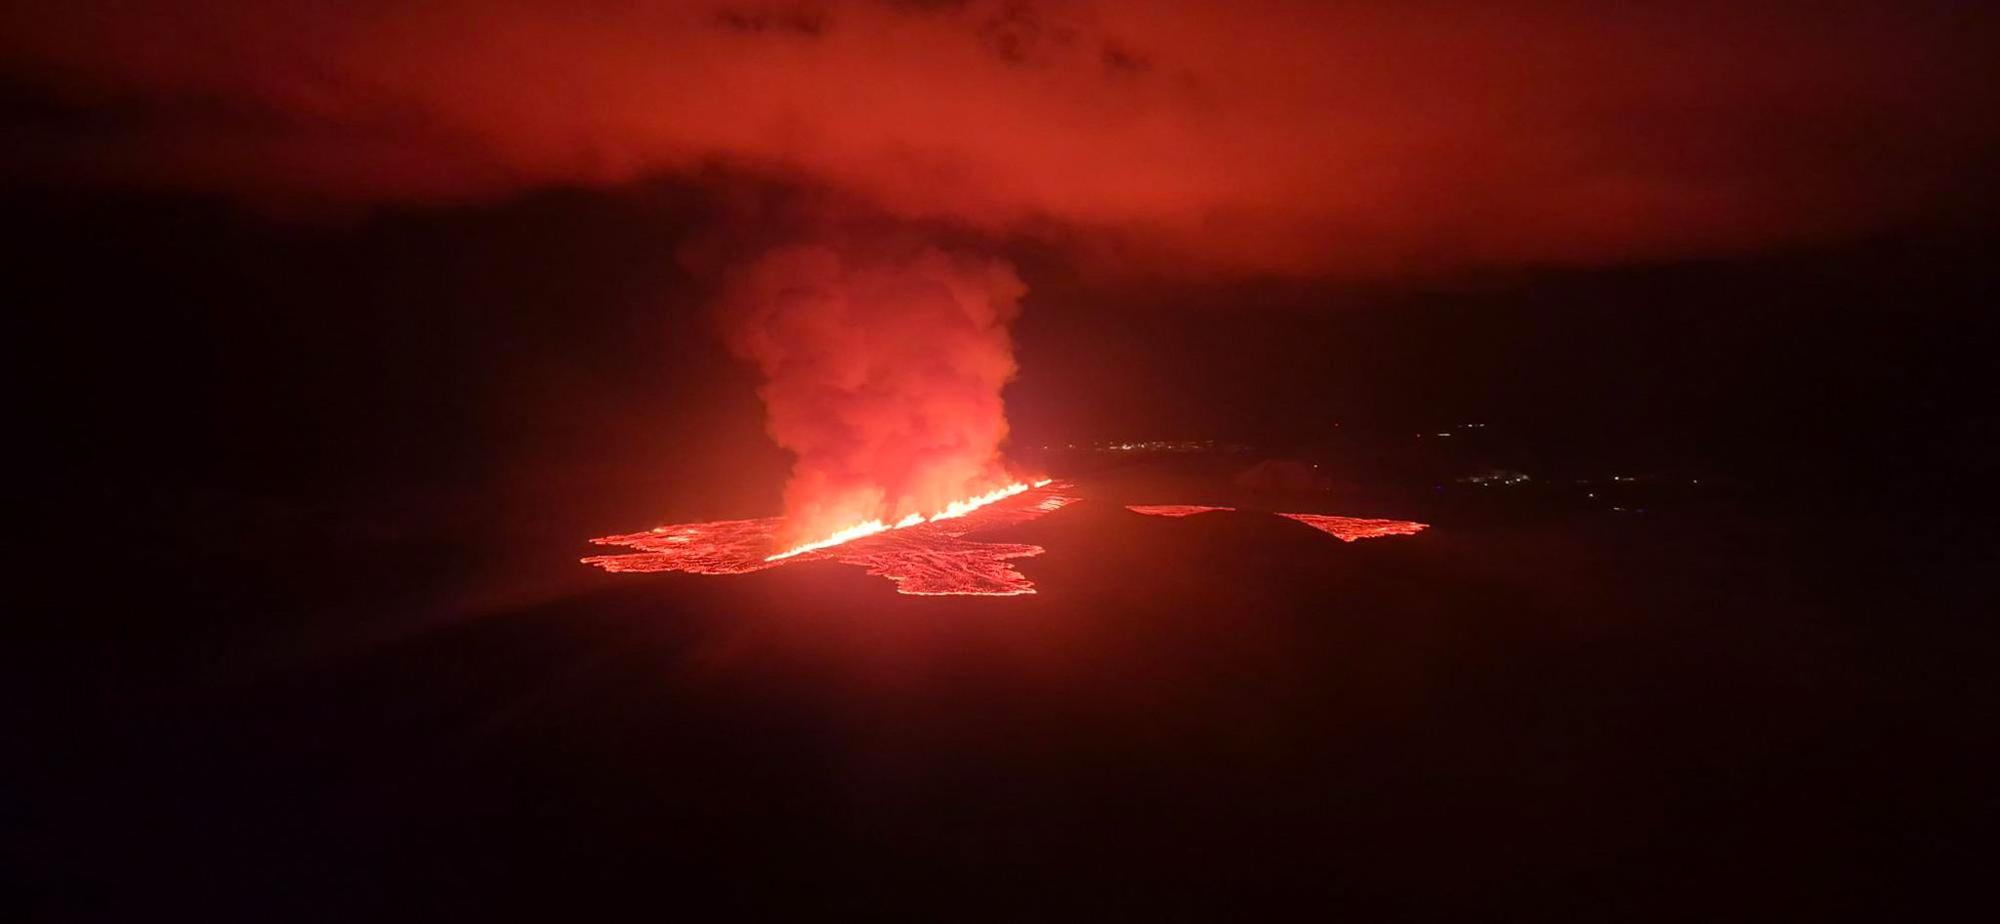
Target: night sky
339,329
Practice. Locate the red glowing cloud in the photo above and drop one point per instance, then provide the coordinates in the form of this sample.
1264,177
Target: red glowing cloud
1258,135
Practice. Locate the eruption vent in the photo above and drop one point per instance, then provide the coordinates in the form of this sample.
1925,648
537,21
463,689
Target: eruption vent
883,366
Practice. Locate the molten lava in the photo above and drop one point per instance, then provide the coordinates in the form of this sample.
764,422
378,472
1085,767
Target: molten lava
1173,510
926,556
1348,529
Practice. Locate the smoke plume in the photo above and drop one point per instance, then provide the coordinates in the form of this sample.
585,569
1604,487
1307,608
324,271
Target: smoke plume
883,365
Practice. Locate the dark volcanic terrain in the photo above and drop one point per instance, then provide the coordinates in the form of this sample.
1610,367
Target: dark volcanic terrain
1585,716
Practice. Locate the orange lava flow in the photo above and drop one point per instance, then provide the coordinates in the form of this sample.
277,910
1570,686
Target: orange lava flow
1172,510
1348,529
926,557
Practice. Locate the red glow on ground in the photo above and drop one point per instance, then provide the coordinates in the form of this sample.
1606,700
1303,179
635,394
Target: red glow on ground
1172,510
928,558
1348,529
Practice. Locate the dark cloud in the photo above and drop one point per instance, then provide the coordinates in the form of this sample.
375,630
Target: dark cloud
1321,138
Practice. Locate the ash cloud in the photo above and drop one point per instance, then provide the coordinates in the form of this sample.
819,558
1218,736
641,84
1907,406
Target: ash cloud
1256,136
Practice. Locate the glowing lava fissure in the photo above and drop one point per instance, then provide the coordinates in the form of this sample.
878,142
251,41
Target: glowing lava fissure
953,510
927,557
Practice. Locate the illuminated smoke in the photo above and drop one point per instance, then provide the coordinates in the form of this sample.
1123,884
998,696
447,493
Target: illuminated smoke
883,366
